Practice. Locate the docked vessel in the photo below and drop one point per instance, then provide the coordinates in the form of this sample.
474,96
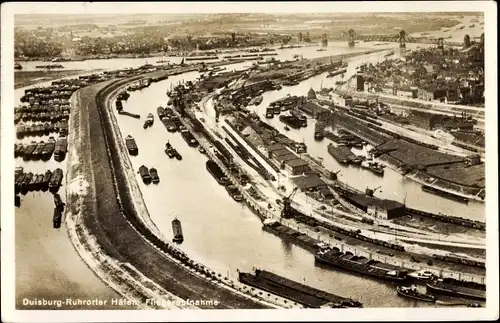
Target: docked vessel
57,218
319,130
336,72
292,236
161,112
374,167
169,124
189,138
270,112
177,229
302,118
342,154
55,180
154,176
389,54
291,121
37,153
131,146
202,150
217,173
412,292
149,121
46,179
144,172
455,288
448,195
49,148
29,150
360,265
18,66
61,148
256,100
234,192
292,290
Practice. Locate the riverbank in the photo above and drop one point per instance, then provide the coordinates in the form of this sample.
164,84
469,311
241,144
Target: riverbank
27,78
115,223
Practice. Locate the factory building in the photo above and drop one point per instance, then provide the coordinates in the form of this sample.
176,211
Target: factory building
311,182
380,209
287,159
473,159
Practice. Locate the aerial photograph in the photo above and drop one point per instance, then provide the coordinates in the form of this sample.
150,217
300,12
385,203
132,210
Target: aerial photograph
249,161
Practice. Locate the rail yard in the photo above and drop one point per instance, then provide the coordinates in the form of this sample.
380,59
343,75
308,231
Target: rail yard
279,148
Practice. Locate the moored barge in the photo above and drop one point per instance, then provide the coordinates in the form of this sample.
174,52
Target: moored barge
455,288
131,146
346,261
342,154
189,138
297,292
154,176
234,192
61,148
448,195
144,172
177,229
217,173
412,292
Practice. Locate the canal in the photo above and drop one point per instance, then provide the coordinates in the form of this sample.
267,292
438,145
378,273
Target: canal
219,232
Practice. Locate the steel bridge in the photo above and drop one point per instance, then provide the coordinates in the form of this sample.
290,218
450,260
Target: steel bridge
401,37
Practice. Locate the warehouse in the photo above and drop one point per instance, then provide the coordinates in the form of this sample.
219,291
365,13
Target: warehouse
381,209
296,166
310,182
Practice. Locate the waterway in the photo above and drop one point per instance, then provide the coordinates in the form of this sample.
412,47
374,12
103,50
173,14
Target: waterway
218,231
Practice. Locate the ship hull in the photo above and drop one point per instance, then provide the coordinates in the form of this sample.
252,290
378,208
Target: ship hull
419,298
449,292
335,264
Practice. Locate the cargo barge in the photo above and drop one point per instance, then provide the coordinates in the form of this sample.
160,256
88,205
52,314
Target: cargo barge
161,112
455,288
343,155
217,173
177,229
294,291
270,112
49,149
37,153
189,138
29,150
302,118
55,180
412,292
61,148
360,265
144,172
169,124
448,195
46,179
292,236
131,146
291,121
154,176
337,72
319,130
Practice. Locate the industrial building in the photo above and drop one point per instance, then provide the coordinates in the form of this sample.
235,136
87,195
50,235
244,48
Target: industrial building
381,209
287,159
311,182
296,166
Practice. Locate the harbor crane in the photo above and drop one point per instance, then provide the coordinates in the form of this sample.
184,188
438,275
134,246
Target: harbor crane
287,201
333,175
369,192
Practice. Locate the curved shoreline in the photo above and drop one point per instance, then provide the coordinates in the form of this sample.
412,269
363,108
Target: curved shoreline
111,222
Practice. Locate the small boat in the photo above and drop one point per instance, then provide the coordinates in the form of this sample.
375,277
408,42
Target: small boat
177,155
412,292
131,145
18,66
202,150
233,191
154,175
287,128
149,121
144,172
169,150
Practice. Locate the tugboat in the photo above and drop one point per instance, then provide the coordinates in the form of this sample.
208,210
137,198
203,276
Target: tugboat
149,121
154,175
374,167
131,146
169,150
177,228
412,292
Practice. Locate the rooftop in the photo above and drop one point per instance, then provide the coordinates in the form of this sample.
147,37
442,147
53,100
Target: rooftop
364,200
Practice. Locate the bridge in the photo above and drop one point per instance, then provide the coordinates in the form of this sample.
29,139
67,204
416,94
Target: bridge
401,37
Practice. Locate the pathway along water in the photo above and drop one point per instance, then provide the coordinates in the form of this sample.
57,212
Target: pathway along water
218,231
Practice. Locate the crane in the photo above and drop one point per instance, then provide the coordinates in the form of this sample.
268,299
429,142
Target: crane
287,201
333,175
369,192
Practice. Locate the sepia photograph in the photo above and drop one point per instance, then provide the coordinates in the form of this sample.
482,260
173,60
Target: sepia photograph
287,161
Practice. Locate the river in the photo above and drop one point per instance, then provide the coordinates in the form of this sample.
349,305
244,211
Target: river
219,232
